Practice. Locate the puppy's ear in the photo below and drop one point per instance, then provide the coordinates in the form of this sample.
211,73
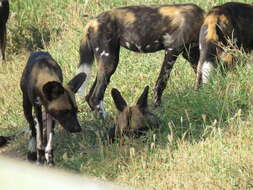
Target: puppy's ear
142,102
75,83
52,90
119,101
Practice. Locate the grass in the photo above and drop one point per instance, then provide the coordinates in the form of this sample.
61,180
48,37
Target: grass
206,137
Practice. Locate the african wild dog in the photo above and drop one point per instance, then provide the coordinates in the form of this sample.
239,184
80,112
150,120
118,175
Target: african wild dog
146,29
41,85
4,14
223,25
132,121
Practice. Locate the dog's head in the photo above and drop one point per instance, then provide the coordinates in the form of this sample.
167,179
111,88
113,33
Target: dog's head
134,120
61,104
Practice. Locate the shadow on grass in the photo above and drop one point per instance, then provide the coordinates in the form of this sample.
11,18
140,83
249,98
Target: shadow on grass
31,37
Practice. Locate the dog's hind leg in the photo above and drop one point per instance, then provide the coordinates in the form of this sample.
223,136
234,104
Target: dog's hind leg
168,63
39,135
191,54
27,107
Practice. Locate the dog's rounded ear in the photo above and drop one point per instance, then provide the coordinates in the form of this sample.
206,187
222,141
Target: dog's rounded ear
142,102
75,83
119,101
52,90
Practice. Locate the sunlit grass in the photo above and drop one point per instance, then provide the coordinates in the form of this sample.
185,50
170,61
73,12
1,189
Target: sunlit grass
206,137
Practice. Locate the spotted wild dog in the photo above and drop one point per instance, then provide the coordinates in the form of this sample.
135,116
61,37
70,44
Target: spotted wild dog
145,29
132,121
223,25
4,15
41,86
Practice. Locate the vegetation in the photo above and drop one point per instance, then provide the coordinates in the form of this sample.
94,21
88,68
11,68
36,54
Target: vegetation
206,139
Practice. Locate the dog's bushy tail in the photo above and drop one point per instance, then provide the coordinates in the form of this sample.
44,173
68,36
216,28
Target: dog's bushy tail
86,57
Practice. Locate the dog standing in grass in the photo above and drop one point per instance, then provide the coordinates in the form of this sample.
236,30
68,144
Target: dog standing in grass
230,23
4,15
41,85
144,29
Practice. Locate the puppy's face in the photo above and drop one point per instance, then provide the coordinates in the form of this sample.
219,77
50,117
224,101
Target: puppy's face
61,102
131,120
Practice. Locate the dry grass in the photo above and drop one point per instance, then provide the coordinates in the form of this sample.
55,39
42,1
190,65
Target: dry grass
206,136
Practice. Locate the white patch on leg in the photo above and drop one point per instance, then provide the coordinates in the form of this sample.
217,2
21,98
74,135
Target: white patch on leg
128,44
97,49
38,134
32,145
167,39
49,146
101,109
206,71
84,68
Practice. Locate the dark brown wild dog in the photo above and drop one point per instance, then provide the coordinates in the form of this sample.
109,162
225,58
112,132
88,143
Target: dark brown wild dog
4,15
132,121
230,22
146,29
41,85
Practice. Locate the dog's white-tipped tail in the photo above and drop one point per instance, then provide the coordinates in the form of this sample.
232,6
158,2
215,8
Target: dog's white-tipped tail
84,68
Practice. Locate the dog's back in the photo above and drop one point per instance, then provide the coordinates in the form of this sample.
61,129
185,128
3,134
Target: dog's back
231,21
40,69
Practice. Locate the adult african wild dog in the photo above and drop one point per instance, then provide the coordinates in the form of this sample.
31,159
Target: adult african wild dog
41,85
146,29
223,25
4,14
132,121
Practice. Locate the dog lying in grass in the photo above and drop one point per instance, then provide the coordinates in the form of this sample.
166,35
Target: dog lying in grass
225,25
41,86
144,29
4,15
132,121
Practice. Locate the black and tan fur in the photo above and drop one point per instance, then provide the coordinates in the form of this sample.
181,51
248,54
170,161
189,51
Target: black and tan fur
132,121
4,15
230,23
145,29
41,86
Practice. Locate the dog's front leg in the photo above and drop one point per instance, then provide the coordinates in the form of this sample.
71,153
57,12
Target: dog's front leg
39,135
49,146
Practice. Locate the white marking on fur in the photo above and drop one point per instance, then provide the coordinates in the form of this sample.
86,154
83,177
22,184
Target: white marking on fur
32,145
84,68
206,71
167,39
104,53
38,134
138,47
38,101
49,146
101,109
128,44
97,49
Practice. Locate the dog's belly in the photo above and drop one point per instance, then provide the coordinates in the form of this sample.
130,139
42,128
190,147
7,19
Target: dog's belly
148,46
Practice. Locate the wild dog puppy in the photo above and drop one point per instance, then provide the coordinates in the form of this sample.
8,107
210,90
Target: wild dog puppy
41,85
145,29
4,15
132,121
223,25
